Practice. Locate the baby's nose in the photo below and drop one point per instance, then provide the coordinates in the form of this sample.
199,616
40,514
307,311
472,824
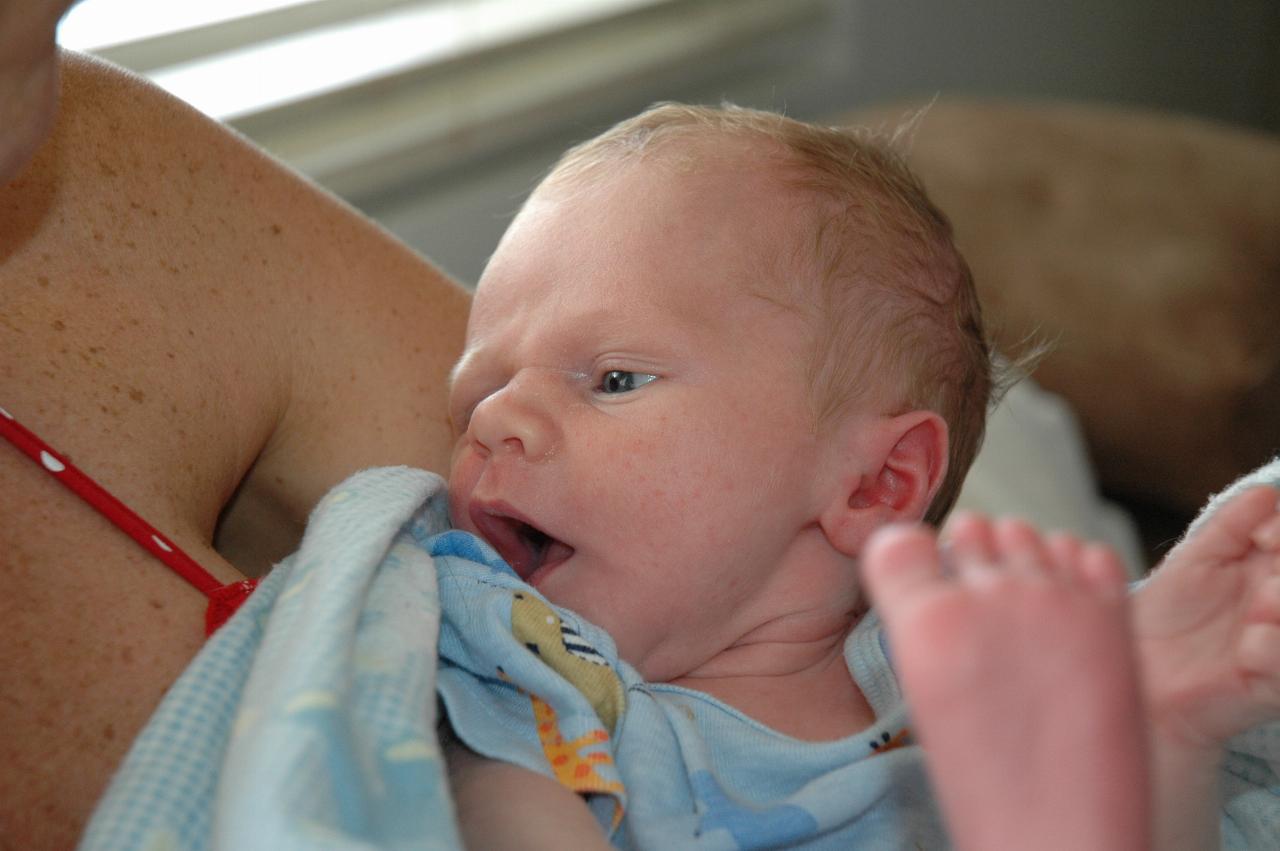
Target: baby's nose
516,418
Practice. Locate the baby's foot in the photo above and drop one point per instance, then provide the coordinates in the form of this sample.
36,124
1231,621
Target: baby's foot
1016,660
1207,626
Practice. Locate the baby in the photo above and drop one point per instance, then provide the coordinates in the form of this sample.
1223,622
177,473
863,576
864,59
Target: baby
719,367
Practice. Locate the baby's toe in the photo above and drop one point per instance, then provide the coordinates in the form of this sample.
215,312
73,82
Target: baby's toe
899,562
1102,571
969,537
1064,552
1021,548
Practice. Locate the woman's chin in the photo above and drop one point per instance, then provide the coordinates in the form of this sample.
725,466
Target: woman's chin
28,100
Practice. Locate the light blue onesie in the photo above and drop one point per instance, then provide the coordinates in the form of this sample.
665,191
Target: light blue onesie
534,685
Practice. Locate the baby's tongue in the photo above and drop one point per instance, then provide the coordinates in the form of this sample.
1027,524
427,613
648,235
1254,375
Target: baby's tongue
556,552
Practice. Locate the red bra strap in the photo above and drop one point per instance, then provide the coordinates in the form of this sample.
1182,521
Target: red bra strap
147,536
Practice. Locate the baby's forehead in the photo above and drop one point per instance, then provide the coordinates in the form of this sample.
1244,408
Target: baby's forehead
806,233
709,161
734,188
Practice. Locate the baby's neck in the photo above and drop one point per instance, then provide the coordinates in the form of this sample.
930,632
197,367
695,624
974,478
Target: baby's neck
802,689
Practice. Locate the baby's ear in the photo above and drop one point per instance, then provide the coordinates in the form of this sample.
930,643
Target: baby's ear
891,477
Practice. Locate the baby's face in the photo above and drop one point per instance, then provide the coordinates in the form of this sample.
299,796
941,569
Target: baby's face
633,430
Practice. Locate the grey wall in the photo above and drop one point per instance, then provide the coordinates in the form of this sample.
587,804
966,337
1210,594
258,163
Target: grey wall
1220,60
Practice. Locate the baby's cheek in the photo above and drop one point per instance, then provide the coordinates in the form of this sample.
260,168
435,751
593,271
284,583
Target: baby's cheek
461,483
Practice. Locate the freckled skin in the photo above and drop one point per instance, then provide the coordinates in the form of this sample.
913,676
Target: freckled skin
215,416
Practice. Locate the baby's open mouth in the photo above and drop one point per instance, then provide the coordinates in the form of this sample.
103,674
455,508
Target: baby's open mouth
525,547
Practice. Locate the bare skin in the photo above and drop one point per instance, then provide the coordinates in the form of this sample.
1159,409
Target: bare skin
28,77
218,343
1021,614
1017,661
1207,627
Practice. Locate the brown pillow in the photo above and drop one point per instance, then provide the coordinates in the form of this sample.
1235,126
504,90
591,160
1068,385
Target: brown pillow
1146,248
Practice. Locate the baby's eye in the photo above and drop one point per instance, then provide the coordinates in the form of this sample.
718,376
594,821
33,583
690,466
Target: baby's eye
621,381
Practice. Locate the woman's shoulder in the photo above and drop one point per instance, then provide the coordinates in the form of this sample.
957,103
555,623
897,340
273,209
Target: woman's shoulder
203,315
217,342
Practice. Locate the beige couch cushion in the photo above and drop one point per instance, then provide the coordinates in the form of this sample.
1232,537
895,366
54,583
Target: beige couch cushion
1146,247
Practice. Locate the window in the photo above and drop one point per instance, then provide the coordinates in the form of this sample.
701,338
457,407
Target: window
96,24
240,57
359,93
